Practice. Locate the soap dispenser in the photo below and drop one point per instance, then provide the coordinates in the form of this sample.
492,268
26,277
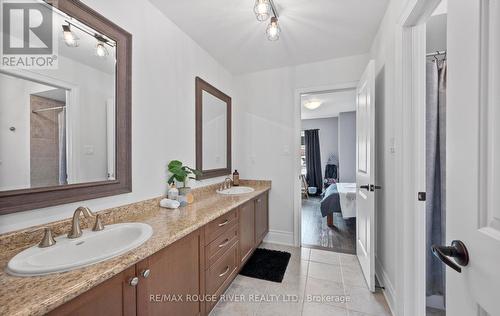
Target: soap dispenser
173,192
236,178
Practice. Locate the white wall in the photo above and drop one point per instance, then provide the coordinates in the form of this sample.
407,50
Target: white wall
165,64
15,145
436,33
388,146
347,147
264,128
328,137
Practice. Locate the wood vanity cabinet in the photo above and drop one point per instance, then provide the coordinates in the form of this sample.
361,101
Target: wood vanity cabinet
171,280
174,272
182,278
112,297
247,230
261,217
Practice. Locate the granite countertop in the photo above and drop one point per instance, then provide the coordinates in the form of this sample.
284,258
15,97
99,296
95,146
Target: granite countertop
39,295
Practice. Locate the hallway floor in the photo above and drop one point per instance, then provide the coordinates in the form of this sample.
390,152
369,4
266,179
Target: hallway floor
316,283
317,234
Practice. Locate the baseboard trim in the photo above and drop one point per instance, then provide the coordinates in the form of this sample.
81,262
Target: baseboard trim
389,292
279,237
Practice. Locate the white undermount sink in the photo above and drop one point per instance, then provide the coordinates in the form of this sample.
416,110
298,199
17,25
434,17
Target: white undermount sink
69,254
236,190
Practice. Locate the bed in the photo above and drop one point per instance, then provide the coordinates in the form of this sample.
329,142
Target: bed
339,198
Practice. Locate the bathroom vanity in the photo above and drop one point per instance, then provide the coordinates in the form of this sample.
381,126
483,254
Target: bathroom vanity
191,258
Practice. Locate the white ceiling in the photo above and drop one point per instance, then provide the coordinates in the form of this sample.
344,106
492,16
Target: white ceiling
312,30
332,103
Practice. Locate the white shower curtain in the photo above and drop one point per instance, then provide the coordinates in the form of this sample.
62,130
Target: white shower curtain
435,172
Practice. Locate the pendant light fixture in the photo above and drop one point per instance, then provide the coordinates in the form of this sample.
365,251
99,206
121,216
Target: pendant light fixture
70,39
273,29
262,10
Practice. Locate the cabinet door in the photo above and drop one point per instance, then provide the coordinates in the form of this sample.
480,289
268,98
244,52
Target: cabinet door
112,297
176,279
247,230
261,218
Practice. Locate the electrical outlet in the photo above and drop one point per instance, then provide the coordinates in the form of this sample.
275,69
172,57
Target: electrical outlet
88,150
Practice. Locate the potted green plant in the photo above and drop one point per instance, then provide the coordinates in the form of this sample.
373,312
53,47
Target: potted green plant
181,174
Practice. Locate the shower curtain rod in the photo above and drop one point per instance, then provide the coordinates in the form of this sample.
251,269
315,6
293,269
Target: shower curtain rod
49,109
437,53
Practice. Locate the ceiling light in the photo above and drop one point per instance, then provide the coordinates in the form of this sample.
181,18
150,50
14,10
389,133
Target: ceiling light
312,105
70,38
273,30
262,10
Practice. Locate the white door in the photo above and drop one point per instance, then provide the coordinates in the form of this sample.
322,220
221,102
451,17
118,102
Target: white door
365,164
473,155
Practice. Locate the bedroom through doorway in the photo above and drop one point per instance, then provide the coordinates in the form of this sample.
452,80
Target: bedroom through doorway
328,170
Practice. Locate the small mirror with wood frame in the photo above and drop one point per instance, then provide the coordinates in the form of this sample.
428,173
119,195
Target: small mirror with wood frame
213,131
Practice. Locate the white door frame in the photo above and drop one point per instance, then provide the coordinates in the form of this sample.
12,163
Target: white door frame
411,94
297,199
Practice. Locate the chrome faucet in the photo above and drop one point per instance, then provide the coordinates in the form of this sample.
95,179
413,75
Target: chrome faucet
76,230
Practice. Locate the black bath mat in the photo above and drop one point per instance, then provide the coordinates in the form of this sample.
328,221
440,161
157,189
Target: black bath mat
267,265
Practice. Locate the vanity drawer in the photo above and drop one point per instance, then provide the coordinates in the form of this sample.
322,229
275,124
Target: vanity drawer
216,227
220,245
222,269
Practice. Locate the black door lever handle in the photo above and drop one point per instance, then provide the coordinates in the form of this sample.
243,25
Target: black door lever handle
366,187
457,251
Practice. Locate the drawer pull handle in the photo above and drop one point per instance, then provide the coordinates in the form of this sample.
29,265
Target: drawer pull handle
224,243
224,223
133,281
146,273
225,272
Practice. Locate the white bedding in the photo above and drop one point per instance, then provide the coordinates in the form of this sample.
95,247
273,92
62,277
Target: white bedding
347,195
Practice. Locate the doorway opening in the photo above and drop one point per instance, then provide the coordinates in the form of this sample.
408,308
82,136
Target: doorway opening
435,158
423,49
328,170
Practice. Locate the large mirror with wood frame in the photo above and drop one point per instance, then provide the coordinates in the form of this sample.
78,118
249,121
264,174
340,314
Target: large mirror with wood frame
65,129
213,131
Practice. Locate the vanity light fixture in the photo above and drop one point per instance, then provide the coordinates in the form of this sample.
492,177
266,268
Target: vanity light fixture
100,49
262,10
312,105
70,38
273,29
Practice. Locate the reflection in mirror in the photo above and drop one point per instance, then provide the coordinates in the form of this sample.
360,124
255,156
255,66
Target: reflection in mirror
213,131
214,124
57,126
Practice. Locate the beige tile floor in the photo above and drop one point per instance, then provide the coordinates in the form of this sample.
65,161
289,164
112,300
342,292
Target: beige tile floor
316,283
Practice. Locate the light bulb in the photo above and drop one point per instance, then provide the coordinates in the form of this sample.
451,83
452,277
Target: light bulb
312,105
101,50
70,39
273,30
262,10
